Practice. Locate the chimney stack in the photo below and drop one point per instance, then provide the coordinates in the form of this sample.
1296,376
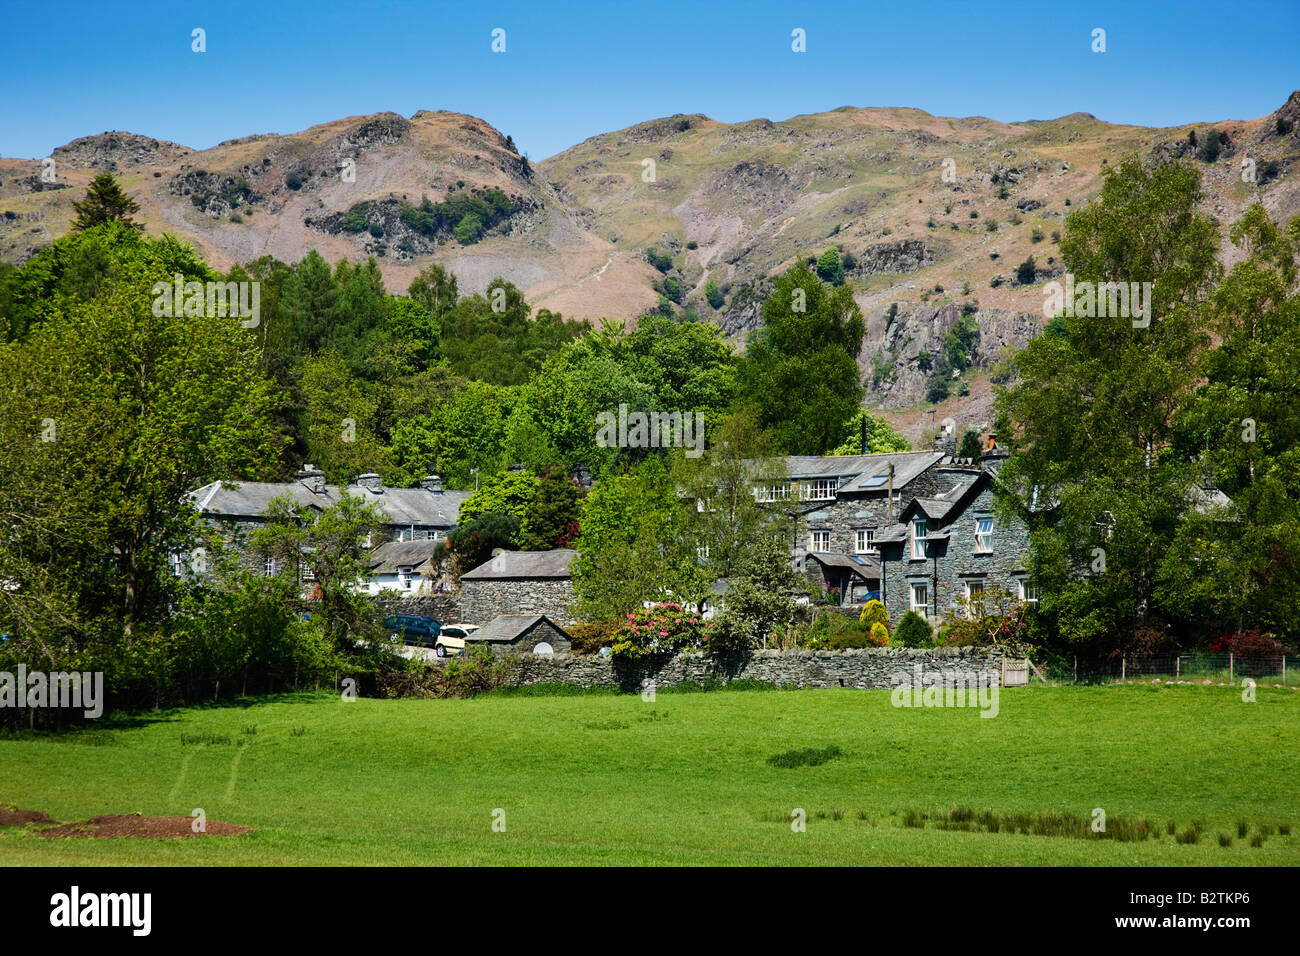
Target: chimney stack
946,440
431,484
581,475
371,482
313,478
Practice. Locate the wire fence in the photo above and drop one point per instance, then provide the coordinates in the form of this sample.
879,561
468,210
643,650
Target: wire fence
1192,666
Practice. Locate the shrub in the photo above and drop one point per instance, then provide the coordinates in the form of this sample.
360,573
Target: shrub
879,634
829,268
659,629
1025,272
660,260
469,230
873,612
913,631
1255,653
970,444
993,617
1036,235
588,638
713,295
293,181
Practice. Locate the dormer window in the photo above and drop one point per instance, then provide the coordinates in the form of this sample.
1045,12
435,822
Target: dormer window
771,493
918,538
822,489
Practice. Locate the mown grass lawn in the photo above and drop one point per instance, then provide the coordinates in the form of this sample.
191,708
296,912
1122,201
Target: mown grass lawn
613,779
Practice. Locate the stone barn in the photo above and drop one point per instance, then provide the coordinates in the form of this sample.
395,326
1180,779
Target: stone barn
521,633
519,582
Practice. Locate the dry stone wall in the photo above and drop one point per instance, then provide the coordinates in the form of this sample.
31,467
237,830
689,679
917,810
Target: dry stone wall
865,668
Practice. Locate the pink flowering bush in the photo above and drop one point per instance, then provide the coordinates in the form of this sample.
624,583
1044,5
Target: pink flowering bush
660,629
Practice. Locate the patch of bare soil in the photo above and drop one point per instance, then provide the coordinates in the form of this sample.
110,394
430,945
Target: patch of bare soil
149,828
12,817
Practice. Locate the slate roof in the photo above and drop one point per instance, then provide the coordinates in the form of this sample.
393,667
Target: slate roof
1204,500
866,567
862,472
388,557
508,628
524,564
400,506
892,534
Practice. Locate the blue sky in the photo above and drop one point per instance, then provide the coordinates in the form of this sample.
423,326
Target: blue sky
572,70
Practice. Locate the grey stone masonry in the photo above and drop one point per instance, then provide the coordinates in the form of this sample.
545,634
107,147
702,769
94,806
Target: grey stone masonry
865,668
443,608
852,512
483,600
953,562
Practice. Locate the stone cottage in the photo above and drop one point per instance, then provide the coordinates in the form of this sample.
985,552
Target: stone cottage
519,582
950,545
844,502
423,514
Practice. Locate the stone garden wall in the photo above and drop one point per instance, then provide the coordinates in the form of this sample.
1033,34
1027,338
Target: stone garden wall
866,668
443,608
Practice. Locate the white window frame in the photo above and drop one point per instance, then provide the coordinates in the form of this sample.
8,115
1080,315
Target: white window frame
924,607
405,574
983,538
971,585
918,540
821,489
305,571
768,494
864,541
702,551
813,538
1026,590
268,567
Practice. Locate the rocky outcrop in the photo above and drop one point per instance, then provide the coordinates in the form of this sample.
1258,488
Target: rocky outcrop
117,150
905,255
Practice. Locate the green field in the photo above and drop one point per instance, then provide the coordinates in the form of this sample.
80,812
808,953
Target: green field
613,779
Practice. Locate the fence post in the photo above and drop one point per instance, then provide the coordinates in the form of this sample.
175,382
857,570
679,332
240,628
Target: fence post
1123,667
1076,668
1231,672
1178,664
1283,668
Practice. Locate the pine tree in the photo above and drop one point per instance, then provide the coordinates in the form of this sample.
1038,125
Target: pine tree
104,202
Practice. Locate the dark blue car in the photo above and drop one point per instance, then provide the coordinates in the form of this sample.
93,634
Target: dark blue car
410,629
